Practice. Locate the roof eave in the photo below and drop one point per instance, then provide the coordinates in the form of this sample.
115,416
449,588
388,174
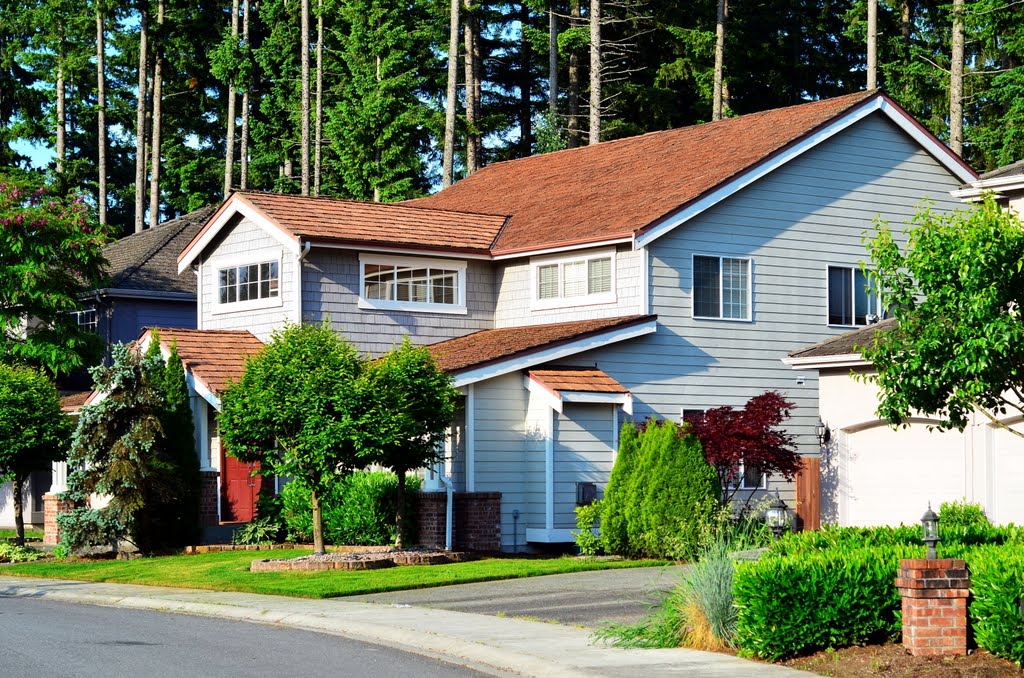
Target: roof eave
826,361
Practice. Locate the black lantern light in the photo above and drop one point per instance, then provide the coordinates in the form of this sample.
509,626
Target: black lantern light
824,435
777,517
930,523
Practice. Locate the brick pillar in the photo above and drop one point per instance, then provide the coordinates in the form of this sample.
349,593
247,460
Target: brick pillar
208,515
51,507
934,606
431,517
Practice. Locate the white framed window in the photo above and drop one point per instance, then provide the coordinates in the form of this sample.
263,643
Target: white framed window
412,284
721,287
246,283
557,282
86,319
852,300
752,477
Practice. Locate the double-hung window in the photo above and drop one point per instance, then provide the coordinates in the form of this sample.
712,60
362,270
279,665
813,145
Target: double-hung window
574,281
408,284
852,301
752,477
721,287
249,282
86,319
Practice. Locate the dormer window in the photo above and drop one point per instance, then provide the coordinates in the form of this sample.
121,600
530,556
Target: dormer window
573,281
412,284
249,282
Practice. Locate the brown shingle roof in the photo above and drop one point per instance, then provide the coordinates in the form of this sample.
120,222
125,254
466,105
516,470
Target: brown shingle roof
332,220
580,379
616,188
73,401
213,356
847,343
489,346
148,260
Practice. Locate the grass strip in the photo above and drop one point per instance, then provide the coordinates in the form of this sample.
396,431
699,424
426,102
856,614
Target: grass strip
29,534
229,571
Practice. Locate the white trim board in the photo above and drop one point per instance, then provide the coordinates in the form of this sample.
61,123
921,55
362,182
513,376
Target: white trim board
550,535
236,205
934,148
822,361
546,355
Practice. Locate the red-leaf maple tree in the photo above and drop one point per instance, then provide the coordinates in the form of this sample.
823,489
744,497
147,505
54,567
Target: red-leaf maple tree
749,436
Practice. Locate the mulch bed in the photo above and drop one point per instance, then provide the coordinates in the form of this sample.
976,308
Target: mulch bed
374,559
894,660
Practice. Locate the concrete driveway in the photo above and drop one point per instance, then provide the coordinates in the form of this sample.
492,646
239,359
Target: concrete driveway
581,598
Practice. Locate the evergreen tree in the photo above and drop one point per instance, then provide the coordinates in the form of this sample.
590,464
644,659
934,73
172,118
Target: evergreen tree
614,536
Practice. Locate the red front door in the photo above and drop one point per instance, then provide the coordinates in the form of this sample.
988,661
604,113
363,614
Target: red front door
239,489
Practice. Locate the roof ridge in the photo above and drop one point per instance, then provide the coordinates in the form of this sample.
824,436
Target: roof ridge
401,203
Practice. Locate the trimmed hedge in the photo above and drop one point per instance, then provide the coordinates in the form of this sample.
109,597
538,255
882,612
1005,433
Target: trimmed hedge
997,587
360,509
796,604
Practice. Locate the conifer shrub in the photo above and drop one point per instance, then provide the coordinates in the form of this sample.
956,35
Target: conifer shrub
613,537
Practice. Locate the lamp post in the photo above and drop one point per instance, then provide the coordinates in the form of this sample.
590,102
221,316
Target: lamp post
930,523
777,517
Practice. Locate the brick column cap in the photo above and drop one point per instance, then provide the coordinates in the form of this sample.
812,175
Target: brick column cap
932,563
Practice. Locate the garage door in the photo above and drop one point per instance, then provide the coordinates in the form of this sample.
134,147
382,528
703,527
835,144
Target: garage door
889,477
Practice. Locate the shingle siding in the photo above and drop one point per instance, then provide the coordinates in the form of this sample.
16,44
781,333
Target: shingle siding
330,287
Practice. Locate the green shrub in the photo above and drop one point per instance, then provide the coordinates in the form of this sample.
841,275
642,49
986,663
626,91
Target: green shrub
587,517
360,509
613,536
794,604
962,515
259,531
997,587
9,553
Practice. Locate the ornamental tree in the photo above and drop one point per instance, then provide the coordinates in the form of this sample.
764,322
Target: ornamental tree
293,410
51,253
956,291
33,431
406,405
120,449
734,439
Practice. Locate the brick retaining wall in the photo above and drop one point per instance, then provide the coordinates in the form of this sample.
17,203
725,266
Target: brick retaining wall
477,520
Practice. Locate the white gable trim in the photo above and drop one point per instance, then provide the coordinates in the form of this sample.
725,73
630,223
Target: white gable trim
935,148
233,207
556,353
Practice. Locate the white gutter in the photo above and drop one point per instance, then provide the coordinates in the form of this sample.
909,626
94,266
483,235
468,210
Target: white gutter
823,361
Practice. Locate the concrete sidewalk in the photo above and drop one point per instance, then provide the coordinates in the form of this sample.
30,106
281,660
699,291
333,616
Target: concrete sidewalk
491,645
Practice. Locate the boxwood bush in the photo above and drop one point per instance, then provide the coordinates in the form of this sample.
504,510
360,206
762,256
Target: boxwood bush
997,588
360,509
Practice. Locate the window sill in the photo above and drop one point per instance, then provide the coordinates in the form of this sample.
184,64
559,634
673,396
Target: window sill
727,320
411,307
572,302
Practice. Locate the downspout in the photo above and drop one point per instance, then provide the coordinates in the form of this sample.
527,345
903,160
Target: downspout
298,281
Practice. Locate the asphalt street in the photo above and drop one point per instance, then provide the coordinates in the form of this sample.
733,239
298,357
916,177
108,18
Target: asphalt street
581,598
58,640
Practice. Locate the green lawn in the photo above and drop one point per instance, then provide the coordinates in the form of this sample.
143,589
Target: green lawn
229,571
29,534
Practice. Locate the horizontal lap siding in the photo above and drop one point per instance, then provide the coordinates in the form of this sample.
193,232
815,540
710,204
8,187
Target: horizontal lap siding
245,242
583,453
513,299
330,282
792,223
131,316
501,444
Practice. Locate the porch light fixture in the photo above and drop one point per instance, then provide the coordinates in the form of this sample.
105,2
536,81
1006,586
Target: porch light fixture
930,523
777,517
822,431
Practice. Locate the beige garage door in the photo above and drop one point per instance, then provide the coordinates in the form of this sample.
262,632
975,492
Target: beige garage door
890,476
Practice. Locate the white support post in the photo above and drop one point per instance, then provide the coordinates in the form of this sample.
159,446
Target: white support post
549,471
471,438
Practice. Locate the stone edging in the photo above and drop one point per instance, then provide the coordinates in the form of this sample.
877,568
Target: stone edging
383,561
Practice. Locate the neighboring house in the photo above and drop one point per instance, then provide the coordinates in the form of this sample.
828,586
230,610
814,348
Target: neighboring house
873,474
566,293
144,289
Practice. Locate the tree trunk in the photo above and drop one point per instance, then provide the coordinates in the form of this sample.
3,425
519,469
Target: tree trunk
448,162
573,124
101,117
318,523
906,24
400,510
61,123
717,103
552,58
154,177
229,142
243,181
318,132
525,86
140,120
19,515
305,98
595,71
956,81
470,30
872,44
